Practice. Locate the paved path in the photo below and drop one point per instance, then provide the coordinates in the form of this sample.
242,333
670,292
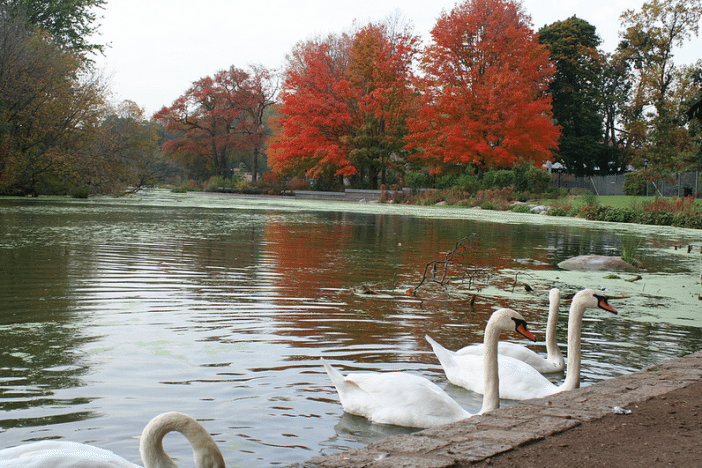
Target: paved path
483,436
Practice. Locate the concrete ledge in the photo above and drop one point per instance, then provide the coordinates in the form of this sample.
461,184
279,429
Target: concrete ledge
349,195
486,435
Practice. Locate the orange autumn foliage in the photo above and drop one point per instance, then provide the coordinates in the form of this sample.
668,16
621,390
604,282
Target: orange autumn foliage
313,114
344,104
484,91
380,80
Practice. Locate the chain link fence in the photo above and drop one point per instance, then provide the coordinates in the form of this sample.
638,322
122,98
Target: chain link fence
686,184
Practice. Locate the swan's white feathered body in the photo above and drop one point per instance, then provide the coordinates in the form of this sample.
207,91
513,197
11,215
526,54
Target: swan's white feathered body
409,400
60,454
518,380
553,362
63,454
397,398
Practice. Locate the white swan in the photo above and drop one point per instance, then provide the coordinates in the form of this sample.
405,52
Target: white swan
518,380
409,400
205,451
62,454
553,362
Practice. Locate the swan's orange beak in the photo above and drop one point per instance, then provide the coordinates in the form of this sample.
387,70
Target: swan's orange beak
522,329
604,305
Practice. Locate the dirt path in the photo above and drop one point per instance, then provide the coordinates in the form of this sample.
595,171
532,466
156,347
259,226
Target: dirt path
661,431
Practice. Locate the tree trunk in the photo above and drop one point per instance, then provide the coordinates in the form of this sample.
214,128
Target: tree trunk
372,178
254,165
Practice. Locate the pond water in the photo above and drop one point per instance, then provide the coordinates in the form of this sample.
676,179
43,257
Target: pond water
112,311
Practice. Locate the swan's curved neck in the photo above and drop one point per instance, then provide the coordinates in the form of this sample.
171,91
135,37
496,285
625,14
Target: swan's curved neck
491,379
205,450
575,325
552,349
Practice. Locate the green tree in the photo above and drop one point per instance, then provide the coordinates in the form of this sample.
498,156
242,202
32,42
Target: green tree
614,91
659,144
48,110
70,23
692,80
124,153
576,88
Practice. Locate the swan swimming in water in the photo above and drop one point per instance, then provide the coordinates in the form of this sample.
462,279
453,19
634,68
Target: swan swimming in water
553,362
409,400
63,454
518,380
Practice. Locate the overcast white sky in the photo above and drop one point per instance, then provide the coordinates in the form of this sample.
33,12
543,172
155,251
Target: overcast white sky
159,47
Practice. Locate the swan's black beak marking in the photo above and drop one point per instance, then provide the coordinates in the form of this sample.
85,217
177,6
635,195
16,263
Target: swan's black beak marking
521,328
604,305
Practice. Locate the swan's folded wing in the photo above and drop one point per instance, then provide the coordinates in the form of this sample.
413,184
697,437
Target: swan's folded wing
504,348
465,371
519,352
405,399
520,381
401,389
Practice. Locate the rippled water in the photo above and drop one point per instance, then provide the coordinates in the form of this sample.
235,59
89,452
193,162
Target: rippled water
112,312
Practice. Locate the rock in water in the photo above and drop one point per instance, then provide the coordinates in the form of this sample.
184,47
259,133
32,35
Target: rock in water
596,263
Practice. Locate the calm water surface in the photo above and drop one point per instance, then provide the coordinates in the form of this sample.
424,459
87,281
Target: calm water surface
111,313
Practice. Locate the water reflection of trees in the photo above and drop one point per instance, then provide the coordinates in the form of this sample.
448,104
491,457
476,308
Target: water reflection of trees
331,259
642,344
37,361
39,338
325,261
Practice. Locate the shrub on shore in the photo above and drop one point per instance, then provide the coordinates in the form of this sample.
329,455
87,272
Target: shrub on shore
678,212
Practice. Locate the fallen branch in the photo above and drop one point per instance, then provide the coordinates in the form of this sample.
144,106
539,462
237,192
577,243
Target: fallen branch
454,268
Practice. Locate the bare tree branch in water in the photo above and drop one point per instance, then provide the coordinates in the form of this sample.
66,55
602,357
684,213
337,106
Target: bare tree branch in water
455,268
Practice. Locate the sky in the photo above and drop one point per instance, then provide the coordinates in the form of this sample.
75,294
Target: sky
158,48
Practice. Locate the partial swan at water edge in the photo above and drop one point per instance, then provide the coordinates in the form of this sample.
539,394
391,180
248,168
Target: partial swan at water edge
64,454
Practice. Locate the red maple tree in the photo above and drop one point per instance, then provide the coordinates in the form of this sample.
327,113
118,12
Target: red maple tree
218,116
313,115
344,104
380,75
484,91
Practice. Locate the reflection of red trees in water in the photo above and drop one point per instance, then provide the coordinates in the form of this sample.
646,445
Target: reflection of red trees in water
480,259
316,269
308,257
